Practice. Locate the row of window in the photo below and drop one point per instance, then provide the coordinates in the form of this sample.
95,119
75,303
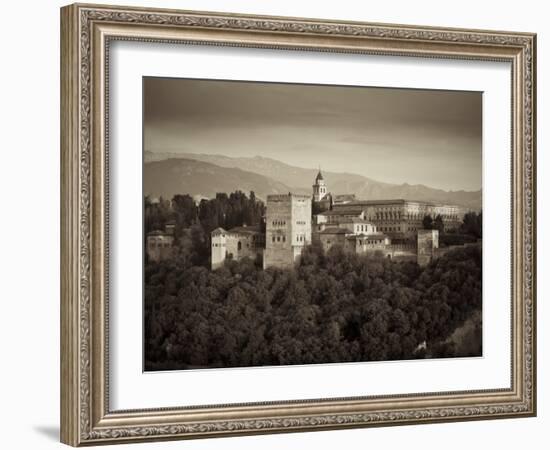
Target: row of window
280,223
299,238
365,242
159,244
428,210
408,216
239,245
371,242
397,228
388,215
390,228
363,228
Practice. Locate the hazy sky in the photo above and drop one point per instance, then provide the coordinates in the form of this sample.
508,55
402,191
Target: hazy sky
391,135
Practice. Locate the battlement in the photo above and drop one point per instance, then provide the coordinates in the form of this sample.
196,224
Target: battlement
286,197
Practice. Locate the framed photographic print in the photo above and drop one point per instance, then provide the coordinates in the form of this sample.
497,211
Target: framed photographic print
275,224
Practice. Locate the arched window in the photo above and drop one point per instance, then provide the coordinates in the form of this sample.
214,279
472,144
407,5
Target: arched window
239,245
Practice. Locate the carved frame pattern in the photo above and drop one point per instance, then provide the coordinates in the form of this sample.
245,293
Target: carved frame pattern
86,418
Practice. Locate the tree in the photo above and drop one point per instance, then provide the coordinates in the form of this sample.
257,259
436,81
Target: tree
200,245
332,307
228,211
185,211
472,224
156,213
427,222
438,224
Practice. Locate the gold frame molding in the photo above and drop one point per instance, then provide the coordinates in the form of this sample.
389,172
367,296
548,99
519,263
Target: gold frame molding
86,31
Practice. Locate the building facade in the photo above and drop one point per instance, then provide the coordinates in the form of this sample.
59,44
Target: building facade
400,219
427,245
288,229
319,188
322,198
235,244
390,228
160,244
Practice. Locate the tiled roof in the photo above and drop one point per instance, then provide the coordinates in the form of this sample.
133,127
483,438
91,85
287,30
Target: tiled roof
248,229
368,237
349,197
158,233
392,201
341,212
285,197
335,230
354,220
397,234
373,236
379,202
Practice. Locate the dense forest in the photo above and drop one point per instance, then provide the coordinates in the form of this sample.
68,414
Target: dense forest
226,211
334,307
194,222
470,229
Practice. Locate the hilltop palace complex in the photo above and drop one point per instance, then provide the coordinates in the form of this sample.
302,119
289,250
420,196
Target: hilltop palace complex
391,228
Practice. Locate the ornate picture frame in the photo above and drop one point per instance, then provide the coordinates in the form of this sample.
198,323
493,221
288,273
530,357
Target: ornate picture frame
86,34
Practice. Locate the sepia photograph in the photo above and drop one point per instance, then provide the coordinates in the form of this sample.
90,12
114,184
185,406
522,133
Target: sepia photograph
274,224
295,224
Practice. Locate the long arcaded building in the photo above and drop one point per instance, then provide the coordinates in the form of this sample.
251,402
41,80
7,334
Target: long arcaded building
392,228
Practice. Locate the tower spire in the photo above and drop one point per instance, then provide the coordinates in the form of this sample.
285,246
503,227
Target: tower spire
319,175
319,188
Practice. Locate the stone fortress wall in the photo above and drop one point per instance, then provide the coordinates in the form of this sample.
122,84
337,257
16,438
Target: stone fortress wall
389,228
288,229
159,244
237,243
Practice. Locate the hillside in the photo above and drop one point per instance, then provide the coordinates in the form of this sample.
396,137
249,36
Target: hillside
197,178
300,180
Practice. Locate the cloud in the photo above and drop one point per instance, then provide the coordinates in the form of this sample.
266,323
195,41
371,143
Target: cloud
394,135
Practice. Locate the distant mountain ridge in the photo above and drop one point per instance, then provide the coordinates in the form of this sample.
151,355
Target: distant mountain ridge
278,177
169,177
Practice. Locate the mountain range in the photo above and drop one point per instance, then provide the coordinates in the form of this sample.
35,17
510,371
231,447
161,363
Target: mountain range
201,175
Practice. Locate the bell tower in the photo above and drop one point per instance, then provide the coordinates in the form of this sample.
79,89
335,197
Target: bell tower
319,188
